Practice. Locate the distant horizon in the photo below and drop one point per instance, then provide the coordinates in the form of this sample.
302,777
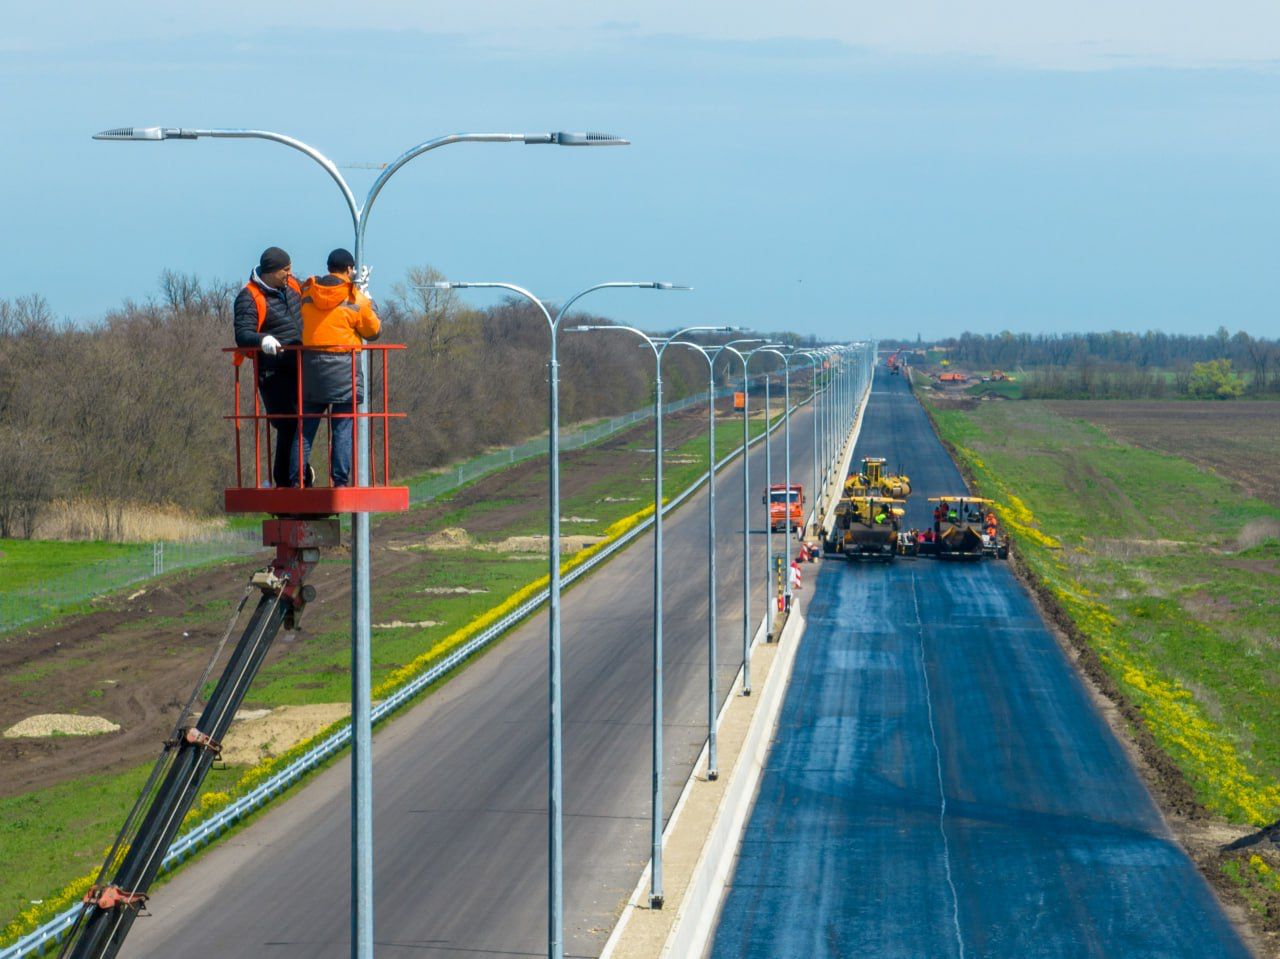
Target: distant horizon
598,308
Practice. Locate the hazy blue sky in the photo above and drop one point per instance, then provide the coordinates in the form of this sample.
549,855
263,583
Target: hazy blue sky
838,168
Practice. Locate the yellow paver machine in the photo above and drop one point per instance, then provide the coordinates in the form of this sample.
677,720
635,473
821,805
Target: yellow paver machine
865,527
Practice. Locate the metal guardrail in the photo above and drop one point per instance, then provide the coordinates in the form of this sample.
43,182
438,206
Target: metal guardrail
135,564
50,934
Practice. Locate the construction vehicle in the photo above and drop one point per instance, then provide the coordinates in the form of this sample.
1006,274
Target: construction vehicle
965,527
894,363
953,378
303,521
865,527
775,499
872,480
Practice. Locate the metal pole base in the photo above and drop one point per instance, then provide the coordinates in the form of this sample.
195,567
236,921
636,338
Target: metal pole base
655,902
712,776
746,692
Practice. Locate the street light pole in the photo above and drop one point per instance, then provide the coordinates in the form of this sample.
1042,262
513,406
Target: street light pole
786,419
812,356
659,349
713,703
555,785
361,666
746,511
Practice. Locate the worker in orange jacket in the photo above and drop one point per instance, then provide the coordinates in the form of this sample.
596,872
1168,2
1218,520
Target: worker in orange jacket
337,317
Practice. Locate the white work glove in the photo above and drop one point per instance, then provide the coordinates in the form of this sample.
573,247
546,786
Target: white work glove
270,345
362,279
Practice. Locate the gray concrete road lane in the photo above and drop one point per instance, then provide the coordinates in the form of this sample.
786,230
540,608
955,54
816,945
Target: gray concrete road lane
460,780
940,784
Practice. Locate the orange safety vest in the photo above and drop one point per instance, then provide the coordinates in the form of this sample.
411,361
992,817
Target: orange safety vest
260,302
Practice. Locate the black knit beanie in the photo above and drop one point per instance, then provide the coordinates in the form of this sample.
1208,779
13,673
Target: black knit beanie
340,261
273,258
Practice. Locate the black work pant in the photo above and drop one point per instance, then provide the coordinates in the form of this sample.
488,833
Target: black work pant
279,391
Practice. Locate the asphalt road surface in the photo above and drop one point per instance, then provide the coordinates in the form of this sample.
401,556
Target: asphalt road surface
940,784
460,780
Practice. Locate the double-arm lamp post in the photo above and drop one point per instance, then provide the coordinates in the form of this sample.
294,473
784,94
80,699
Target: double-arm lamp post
814,491
768,466
659,348
711,354
555,786
361,681
746,508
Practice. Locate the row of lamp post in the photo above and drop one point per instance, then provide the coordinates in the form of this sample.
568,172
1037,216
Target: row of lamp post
839,388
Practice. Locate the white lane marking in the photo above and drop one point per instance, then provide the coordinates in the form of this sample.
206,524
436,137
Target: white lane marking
937,758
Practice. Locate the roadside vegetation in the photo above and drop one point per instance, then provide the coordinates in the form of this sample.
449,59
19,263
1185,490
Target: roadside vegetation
1114,365
449,569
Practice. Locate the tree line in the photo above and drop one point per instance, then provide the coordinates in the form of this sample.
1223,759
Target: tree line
130,410
1123,365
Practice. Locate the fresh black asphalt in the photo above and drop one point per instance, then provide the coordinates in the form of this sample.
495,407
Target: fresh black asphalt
940,784
460,826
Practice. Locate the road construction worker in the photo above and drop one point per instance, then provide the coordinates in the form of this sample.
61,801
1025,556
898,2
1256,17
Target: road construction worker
937,519
267,316
881,517
991,519
337,317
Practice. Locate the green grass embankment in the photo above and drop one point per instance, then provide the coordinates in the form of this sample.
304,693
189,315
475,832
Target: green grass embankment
1168,572
58,836
28,563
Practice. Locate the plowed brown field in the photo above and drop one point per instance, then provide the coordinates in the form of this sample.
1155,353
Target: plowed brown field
1237,439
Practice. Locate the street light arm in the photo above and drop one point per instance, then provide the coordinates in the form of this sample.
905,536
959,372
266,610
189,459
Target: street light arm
621,329
495,285
769,349
706,354
612,285
171,133
675,337
559,139
417,151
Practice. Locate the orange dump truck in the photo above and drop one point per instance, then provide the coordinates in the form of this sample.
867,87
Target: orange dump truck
775,498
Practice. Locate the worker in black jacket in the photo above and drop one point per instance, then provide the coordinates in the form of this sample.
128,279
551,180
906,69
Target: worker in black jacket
268,316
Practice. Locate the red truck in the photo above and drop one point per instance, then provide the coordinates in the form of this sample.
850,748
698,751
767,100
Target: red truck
776,500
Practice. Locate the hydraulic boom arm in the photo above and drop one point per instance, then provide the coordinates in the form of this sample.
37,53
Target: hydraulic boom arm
112,905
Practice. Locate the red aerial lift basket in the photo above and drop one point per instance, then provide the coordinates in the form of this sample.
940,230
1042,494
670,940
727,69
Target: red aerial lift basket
254,492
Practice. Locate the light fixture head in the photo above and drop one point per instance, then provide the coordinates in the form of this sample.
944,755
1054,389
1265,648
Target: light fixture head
588,140
131,133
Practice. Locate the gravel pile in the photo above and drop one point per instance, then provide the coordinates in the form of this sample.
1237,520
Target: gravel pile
60,724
